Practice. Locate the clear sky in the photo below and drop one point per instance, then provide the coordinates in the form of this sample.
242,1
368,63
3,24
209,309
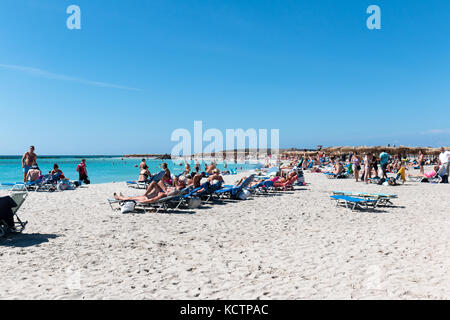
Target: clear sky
137,70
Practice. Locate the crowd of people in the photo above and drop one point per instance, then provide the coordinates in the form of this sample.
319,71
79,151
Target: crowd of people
170,184
368,166
32,172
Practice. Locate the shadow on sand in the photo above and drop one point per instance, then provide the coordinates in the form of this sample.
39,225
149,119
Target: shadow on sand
23,240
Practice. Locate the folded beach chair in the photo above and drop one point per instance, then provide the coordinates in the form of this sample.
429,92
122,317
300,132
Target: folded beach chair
19,198
232,192
354,202
330,175
144,184
383,198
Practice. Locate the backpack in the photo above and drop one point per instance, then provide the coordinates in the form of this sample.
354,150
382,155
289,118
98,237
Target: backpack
381,181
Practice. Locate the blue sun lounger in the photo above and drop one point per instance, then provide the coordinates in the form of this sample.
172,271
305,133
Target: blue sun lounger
383,198
354,202
209,190
261,187
233,191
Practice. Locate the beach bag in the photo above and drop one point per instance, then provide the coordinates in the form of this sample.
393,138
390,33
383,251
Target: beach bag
64,185
243,195
194,202
392,182
127,206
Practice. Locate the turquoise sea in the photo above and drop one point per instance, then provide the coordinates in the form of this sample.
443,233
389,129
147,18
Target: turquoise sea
101,169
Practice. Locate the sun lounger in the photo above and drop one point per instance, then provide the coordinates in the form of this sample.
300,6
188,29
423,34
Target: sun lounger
330,175
19,198
262,187
288,185
354,202
383,198
233,191
208,191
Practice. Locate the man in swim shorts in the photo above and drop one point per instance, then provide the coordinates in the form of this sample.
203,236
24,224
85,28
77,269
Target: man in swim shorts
28,160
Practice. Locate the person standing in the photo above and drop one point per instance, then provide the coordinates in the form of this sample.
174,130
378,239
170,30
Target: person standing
384,160
368,164
82,172
356,163
197,166
444,161
28,159
421,162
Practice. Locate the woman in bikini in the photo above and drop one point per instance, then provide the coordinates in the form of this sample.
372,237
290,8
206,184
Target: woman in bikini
356,163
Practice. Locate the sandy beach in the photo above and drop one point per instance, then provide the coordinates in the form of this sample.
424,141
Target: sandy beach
294,245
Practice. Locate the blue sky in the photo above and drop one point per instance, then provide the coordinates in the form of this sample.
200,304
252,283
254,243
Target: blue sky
137,70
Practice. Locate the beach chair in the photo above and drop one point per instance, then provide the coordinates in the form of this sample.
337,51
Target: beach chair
144,184
383,198
19,198
207,191
331,175
232,192
354,202
172,201
286,186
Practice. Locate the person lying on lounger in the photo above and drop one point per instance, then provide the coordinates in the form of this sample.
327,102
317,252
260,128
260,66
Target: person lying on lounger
154,192
430,174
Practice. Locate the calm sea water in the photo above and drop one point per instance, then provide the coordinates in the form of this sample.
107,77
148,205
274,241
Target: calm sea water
101,169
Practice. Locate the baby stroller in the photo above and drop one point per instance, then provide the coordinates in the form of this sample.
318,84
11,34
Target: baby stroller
16,225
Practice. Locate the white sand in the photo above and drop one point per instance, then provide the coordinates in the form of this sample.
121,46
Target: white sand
294,246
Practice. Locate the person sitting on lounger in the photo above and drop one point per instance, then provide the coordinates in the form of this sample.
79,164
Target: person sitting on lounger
187,168
167,179
215,177
144,174
211,168
196,179
338,168
34,173
57,170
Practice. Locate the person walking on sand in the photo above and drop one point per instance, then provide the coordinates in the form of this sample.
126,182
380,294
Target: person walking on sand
82,172
28,159
384,159
444,160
